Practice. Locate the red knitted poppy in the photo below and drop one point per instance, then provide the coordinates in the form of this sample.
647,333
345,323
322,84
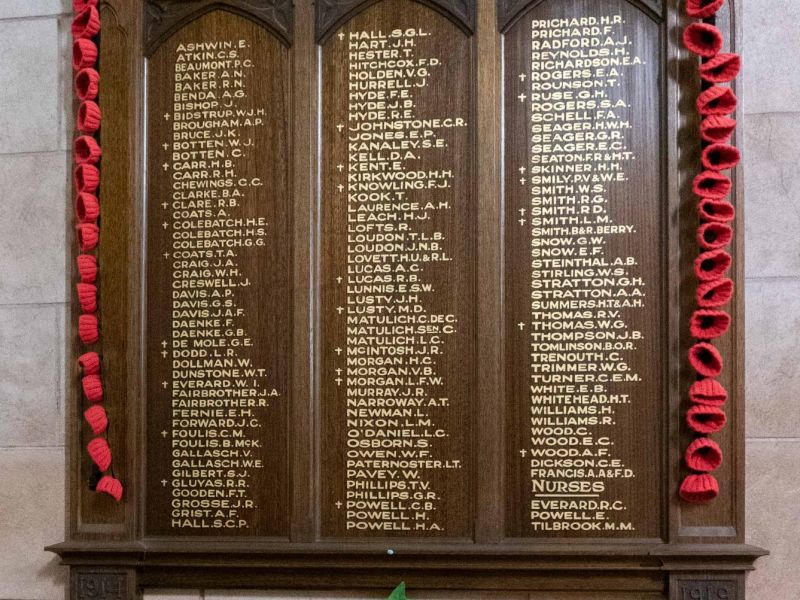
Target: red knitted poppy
84,54
87,296
100,453
722,68
708,392
705,359
87,178
712,265
92,388
699,488
88,329
111,486
89,117
720,211
703,455
87,208
87,268
89,363
718,157
702,9
97,419
711,184
716,128
716,101
707,324
87,84
86,23
703,39
88,236
714,235
714,293
86,150
79,5
705,419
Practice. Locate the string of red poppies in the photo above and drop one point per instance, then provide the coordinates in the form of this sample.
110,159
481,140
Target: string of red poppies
709,321
86,175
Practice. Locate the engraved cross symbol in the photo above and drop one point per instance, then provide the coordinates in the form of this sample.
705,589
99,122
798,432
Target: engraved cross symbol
163,343
338,351
521,170
521,76
522,180
521,325
164,482
340,127
166,116
339,371
164,384
164,433
521,211
523,452
521,221
338,381
522,97
164,353
339,504
340,167
165,205
166,254
165,166
339,279
340,187
166,146
165,224
340,309
341,35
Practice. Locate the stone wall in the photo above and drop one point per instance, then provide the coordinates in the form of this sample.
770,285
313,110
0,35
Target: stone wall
34,161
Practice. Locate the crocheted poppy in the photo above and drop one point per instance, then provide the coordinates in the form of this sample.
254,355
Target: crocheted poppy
111,486
87,84
703,455
724,67
92,388
708,323
87,268
88,329
703,39
100,453
712,265
86,150
84,54
87,296
79,5
708,392
97,419
88,236
87,178
89,363
699,488
714,235
89,117
717,128
87,208
716,101
702,9
715,293
86,23
720,211
711,184
705,419
718,157
705,359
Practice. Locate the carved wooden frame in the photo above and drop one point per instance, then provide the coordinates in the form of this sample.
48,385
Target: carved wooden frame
703,548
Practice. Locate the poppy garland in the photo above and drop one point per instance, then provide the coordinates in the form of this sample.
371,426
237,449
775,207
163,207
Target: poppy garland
716,213
86,178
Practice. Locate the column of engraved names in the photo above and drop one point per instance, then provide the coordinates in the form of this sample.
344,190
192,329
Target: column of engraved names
388,364
216,392
582,292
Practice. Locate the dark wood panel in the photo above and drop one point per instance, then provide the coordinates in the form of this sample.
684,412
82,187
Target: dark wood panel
397,276
219,279
585,262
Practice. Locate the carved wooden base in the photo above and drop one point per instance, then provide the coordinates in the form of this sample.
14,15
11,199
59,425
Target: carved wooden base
662,572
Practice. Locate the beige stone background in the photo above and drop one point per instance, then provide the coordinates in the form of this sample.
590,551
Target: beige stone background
34,160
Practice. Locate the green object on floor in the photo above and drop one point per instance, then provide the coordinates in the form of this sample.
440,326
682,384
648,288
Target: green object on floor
399,592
